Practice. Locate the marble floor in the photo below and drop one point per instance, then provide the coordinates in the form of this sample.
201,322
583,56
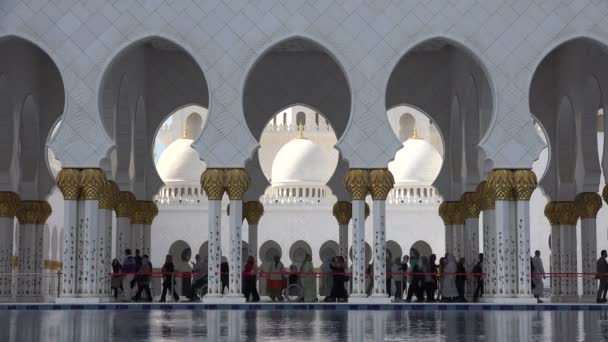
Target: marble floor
305,325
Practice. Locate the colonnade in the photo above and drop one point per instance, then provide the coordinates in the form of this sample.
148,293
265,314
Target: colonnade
89,199
563,216
504,201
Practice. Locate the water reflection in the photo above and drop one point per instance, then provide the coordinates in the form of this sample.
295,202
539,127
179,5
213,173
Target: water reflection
179,325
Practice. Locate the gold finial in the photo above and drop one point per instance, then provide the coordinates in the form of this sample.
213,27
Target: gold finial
300,132
185,133
415,135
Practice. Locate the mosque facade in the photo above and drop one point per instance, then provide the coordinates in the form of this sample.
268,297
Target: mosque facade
513,94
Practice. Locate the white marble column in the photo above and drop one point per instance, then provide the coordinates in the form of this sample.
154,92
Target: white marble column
525,184
214,249
472,207
125,207
342,211
459,239
379,217
381,183
358,184
568,261
237,182
489,247
587,206
449,237
9,203
137,235
31,215
452,214
253,211
147,232
563,217
104,247
68,181
235,249
213,182
358,265
107,202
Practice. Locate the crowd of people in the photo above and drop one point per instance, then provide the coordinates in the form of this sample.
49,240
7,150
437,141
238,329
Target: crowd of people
419,278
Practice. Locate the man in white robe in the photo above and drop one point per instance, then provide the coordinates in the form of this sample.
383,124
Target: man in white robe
538,274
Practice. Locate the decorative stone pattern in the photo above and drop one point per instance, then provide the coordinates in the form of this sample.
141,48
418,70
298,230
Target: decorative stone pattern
253,212
563,217
215,248
235,249
69,182
213,182
93,182
237,182
343,211
358,265
379,250
471,205
525,183
501,182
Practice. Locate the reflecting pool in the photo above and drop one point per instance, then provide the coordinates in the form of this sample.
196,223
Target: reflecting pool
284,325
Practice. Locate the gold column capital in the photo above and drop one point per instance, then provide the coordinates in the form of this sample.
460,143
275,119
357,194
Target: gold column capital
452,212
108,196
213,182
33,212
125,204
9,204
471,204
381,182
237,182
605,193
525,183
587,204
144,212
357,182
486,197
253,211
501,182
342,211
561,213
69,183
92,184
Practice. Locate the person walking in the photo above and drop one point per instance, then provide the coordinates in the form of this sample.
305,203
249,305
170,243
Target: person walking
168,283
225,273
249,284
448,290
602,275
397,269
405,263
461,279
129,268
199,276
538,274
143,279
309,280
427,282
338,290
478,274
434,271
415,282
276,279
116,283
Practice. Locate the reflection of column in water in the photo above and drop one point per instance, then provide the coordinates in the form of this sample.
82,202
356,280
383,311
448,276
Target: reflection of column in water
213,325
251,323
564,326
356,325
92,327
590,325
27,325
379,319
234,325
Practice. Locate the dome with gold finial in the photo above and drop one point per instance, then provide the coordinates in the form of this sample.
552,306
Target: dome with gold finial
179,163
416,163
300,162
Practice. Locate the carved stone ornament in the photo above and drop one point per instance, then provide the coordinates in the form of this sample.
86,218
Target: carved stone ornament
561,213
237,182
125,204
471,204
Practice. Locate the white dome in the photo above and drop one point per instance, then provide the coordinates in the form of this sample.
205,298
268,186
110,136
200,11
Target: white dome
302,162
417,162
179,163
